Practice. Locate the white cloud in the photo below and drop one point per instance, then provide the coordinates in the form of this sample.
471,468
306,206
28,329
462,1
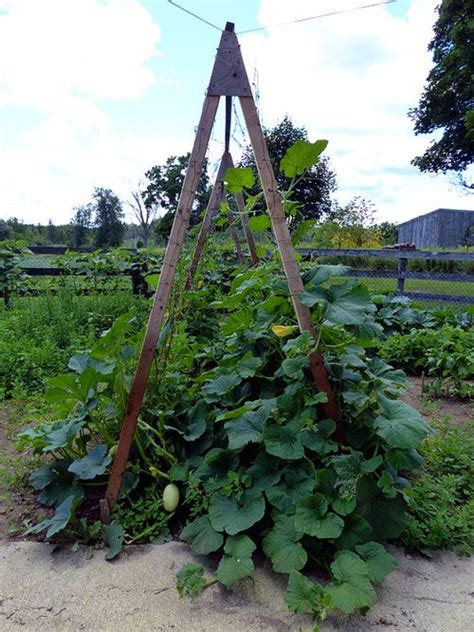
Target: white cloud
53,49
352,78
66,61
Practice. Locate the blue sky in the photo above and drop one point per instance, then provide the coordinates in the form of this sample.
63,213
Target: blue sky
94,92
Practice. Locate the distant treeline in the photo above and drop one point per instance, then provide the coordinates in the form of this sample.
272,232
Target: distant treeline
55,235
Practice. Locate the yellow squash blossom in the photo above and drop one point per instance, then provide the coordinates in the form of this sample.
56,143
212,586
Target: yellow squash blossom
283,330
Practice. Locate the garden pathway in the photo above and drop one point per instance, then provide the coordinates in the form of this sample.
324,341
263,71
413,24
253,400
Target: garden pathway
46,589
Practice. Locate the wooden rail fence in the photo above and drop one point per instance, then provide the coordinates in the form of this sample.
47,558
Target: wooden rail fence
401,274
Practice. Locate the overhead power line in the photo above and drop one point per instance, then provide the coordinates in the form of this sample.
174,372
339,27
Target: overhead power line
280,24
316,17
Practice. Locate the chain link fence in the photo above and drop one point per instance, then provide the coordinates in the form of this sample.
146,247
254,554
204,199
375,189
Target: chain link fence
433,278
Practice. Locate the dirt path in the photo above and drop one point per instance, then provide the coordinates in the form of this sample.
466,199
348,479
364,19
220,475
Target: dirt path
46,590
17,501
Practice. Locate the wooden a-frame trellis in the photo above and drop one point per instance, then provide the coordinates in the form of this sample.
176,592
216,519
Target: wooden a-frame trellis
229,78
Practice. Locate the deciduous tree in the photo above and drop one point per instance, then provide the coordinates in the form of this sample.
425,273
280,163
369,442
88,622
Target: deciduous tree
108,218
164,184
313,192
447,101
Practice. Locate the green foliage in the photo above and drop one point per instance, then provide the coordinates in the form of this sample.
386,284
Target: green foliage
237,561
232,417
446,103
39,334
141,515
12,278
441,497
108,218
113,536
446,354
163,187
190,580
311,194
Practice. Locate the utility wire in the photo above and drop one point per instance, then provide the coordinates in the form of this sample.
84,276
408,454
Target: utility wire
194,15
272,26
316,17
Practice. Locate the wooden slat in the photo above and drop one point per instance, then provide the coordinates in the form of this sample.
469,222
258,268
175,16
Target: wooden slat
244,218
235,236
287,253
157,314
442,298
388,254
211,211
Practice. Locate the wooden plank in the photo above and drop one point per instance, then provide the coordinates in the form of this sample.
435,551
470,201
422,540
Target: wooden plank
442,298
448,277
157,314
388,254
229,76
401,270
235,236
244,218
287,253
57,250
211,211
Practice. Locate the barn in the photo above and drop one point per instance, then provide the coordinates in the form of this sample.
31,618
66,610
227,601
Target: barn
444,227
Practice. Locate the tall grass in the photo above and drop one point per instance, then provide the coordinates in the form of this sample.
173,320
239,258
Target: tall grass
39,334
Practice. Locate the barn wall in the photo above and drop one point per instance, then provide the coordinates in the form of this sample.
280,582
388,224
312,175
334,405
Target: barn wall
453,227
441,228
422,231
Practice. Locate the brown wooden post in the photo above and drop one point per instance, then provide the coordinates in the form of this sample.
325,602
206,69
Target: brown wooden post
287,253
235,236
228,78
157,314
244,218
401,272
206,224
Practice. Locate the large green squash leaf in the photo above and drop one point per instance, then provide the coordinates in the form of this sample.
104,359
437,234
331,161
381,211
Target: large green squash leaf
379,562
350,588
113,536
386,516
233,514
400,425
237,179
298,482
284,442
247,428
202,537
281,545
305,597
311,517
93,464
237,561
57,522
301,156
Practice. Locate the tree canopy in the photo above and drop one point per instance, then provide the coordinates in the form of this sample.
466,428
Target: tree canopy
108,218
447,101
313,192
164,187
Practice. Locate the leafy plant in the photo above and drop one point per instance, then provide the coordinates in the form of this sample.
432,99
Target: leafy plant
231,415
446,354
441,497
12,277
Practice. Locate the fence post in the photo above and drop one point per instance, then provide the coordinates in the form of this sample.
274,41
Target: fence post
401,270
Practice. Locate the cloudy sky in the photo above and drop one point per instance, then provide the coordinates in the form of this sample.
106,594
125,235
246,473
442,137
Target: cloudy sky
95,92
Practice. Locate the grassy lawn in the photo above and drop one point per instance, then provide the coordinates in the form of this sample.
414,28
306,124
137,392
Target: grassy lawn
427,286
